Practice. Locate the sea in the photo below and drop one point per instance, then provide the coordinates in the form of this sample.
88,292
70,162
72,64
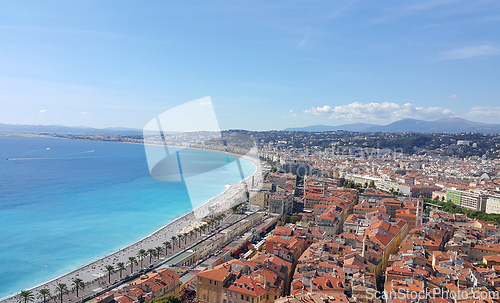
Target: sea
65,203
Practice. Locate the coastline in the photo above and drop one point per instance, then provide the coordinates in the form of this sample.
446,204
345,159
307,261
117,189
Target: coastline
94,270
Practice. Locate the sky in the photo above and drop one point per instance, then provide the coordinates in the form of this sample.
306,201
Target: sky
265,64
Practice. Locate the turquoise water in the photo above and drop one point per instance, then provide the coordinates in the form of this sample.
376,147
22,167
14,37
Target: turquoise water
64,203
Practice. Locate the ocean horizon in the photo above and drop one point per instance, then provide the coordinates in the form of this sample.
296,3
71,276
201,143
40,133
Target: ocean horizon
65,203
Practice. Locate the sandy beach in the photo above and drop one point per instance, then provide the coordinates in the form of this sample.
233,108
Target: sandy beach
95,270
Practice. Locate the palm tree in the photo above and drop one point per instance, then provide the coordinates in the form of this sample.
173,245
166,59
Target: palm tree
78,283
132,260
173,241
141,254
185,236
25,296
151,253
158,250
110,270
179,239
191,232
167,246
196,230
121,266
43,294
61,289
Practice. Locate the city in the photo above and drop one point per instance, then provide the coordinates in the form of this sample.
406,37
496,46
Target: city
339,224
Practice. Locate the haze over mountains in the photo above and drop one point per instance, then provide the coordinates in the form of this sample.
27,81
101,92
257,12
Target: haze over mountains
60,129
445,125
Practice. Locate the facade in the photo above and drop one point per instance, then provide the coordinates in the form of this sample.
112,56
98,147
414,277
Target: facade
454,196
493,204
260,198
281,203
474,200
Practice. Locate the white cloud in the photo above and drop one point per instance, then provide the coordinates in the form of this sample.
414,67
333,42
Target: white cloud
454,96
469,52
205,103
42,111
84,113
379,111
291,111
484,112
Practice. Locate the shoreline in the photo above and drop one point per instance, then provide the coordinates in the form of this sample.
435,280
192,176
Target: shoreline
93,270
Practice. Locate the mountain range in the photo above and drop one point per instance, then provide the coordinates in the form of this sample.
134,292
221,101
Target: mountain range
445,125
60,129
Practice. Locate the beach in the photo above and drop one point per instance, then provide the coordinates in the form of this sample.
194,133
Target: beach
95,272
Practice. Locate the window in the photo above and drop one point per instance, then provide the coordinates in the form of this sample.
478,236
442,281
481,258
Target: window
267,297
230,293
201,280
242,297
252,300
225,293
210,281
223,300
247,298
275,297
204,297
215,282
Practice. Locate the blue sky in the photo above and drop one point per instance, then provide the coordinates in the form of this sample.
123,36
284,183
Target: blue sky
266,65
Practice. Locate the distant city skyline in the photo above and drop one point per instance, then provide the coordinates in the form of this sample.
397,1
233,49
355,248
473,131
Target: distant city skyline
264,65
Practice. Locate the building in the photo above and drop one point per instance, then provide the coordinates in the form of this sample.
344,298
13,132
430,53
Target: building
160,283
260,198
474,200
281,203
493,204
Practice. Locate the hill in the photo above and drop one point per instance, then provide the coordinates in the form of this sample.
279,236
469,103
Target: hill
445,125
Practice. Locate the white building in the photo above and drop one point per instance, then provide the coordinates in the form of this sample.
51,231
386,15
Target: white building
493,204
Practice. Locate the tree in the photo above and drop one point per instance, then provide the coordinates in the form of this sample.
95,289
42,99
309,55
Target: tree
151,253
372,184
185,236
44,294
121,266
173,239
78,284
25,296
61,289
110,269
167,246
166,299
141,255
132,260
158,251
